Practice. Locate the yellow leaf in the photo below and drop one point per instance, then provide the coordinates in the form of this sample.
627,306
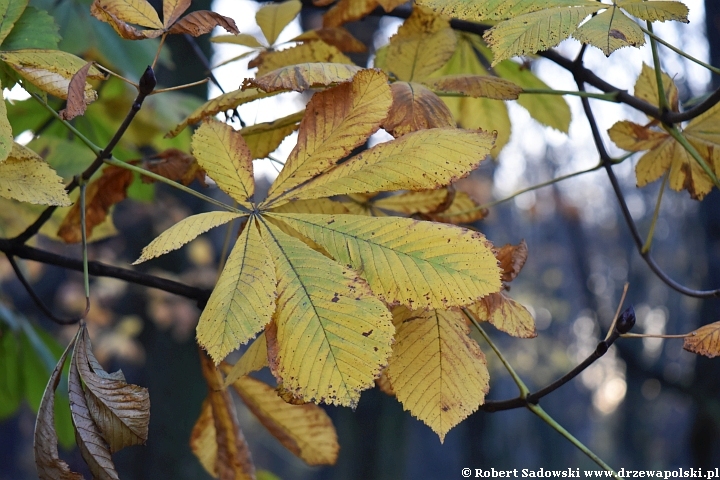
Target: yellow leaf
463,209
254,358
422,45
537,31
184,232
50,70
202,438
331,337
656,10
226,158
473,10
305,76
243,299
406,261
336,121
646,88
409,203
635,138
346,11
122,28
313,52
415,107
390,5
172,9
243,39
24,176
264,138
273,18
437,371
10,12
420,160
226,101
231,457
317,205
550,110
306,430
506,315
139,12
704,341
483,113
610,30
475,86
6,135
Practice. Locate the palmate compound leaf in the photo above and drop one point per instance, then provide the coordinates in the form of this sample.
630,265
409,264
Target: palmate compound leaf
419,264
537,31
243,301
422,45
330,337
306,430
226,158
216,438
436,370
421,160
47,460
336,121
26,177
51,70
704,341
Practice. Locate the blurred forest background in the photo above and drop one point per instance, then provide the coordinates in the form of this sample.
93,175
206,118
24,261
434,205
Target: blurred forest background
646,404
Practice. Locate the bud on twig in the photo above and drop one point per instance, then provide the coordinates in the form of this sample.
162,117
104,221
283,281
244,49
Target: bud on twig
147,81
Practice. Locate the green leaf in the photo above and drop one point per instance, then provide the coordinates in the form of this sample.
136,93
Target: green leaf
10,11
34,29
34,373
656,11
405,261
610,30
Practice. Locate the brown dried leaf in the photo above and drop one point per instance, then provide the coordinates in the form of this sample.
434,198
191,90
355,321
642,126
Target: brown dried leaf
100,195
475,86
383,383
704,341
48,463
202,438
301,77
93,448
390,5
512,259
506,315
287,396
175,165
203,21
172,9
414,108
312,52
305,430
120,410
335,36
76,101
233,461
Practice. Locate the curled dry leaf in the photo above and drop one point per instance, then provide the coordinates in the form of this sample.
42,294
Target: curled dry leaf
76,101
232,459
512,258
120,410
304,76
201,22
415,107
704,341
48,463
305,430
175,165
100,195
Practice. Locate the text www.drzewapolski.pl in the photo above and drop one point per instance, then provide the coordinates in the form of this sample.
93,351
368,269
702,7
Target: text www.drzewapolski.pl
577,473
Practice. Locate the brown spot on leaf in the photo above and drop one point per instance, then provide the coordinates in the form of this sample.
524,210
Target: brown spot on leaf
367,334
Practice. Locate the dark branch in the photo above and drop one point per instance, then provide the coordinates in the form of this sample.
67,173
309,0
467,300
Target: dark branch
98,269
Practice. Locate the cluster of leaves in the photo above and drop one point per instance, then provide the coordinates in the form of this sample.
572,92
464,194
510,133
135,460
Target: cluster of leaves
353,271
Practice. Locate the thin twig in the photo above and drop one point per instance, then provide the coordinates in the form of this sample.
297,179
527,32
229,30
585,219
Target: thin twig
203,59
